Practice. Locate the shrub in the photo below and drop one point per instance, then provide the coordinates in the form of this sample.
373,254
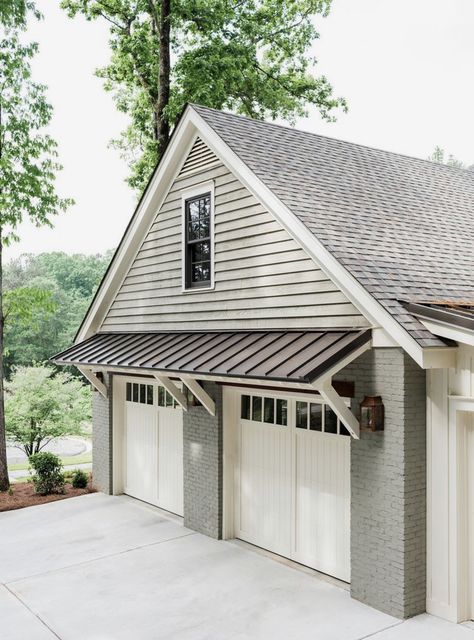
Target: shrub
79,479
48,477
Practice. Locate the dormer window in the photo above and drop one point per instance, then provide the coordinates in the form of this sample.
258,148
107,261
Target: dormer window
197,239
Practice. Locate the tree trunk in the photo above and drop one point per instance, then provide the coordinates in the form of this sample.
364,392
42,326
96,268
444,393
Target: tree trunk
162,125
4,481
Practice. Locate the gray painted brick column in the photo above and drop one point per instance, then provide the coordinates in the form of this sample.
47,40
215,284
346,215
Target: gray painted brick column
202,466
388,486
102,438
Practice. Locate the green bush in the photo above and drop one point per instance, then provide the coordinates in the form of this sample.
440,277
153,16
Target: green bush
48,477
79,479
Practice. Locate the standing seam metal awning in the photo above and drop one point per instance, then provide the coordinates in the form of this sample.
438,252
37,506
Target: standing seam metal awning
284,356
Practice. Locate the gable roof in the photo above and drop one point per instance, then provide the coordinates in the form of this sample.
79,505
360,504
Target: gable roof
401,226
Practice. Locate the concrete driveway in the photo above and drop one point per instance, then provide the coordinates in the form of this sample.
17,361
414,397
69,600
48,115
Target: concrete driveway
110,568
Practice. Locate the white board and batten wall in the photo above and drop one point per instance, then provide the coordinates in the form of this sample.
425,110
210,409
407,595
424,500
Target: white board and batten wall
262,277
450,489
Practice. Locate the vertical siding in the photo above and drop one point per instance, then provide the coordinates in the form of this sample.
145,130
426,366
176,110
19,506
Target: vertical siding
262,277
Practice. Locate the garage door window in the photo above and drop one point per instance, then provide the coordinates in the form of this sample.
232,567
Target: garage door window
139,393
165,399
267,410
318,417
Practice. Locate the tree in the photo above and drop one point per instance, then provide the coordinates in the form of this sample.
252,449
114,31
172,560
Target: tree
71,281
249,56
438,155
41,405
13,12
28,168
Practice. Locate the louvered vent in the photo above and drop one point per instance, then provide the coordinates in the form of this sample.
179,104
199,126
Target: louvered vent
200,158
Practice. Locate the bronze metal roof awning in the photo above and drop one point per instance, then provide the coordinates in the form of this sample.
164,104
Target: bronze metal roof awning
283,356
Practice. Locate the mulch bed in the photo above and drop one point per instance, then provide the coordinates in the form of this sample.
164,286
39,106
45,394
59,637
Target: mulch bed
24,496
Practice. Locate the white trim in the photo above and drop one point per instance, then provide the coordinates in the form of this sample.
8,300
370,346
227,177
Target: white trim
459,334
203,397
201,189
94,380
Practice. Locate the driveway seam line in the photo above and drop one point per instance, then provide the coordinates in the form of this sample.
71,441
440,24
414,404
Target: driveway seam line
36,615
104,557
374,634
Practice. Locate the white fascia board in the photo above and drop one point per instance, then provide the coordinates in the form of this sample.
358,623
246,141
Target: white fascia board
444,330
357,294
175,155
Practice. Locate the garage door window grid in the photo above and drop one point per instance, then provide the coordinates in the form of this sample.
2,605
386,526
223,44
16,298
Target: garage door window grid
313,416
143,394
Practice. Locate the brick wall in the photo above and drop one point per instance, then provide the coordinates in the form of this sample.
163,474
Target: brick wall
202,462
388,486
102,438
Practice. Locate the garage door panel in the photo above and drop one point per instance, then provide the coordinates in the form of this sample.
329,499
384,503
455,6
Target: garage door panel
321,502
141,452
265,488
293,483
153,446
170,464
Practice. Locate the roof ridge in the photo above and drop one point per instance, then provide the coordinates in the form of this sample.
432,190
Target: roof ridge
439,165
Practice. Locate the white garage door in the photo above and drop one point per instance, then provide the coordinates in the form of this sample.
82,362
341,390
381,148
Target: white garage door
293,482
153,446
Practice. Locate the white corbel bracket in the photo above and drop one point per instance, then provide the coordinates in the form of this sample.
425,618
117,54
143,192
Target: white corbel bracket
337,404
94,380
203,397
175,391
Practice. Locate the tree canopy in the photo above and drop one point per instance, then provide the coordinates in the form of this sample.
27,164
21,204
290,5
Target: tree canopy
248,56
42,404
69,282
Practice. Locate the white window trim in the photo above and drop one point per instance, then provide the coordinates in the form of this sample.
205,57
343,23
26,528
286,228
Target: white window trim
198,190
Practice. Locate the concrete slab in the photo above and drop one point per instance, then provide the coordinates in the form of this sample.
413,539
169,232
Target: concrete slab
194,588
60,534
427,627
17,622
101,567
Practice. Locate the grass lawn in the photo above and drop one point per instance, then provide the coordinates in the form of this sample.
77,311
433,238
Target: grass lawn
81,459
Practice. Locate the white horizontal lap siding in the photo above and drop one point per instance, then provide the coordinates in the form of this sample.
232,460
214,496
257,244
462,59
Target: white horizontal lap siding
263,279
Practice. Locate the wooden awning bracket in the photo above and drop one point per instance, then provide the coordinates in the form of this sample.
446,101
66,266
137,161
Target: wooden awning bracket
175,391
94,380
199,393
337,404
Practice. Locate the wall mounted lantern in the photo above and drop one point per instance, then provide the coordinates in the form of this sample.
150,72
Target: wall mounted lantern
372,414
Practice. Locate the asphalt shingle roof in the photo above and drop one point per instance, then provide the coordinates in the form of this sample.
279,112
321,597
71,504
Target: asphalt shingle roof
403,227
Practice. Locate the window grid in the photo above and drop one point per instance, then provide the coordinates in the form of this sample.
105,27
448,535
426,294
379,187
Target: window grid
198,241
143,394
312,416
267,410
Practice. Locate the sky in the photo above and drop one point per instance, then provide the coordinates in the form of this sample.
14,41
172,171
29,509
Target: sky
404,66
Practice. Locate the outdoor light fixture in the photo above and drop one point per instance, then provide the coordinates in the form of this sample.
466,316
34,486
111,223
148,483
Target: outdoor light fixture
372,414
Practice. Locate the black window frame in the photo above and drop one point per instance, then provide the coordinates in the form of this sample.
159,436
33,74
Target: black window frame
189,243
